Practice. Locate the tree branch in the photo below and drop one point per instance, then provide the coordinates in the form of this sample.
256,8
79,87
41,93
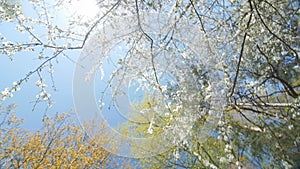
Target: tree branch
198,15
272,33
242,50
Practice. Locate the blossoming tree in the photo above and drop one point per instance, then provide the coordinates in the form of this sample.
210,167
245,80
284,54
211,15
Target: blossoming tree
223,76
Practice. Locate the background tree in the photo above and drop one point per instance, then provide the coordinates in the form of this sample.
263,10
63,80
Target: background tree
61,143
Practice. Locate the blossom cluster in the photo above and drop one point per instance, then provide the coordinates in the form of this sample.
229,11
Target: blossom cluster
8,92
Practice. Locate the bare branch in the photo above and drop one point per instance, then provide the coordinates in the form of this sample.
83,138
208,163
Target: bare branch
241,52
198,15
97,22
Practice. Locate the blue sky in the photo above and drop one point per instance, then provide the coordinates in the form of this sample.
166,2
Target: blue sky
11,71
24,62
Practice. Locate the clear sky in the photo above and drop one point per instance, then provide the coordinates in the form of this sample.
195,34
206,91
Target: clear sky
23,63
11,71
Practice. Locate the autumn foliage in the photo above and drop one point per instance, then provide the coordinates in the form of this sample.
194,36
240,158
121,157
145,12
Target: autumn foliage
61,143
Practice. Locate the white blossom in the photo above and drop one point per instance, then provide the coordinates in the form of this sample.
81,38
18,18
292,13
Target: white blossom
51,69
150,128
290,127
176,154
223,159
44,95
230,157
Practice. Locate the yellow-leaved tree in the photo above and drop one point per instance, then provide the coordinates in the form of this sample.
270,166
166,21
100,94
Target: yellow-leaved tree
60,143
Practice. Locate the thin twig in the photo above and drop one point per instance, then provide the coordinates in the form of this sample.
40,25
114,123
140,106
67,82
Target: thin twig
238,65
198,15
272,33
97,22
41,65
241,52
